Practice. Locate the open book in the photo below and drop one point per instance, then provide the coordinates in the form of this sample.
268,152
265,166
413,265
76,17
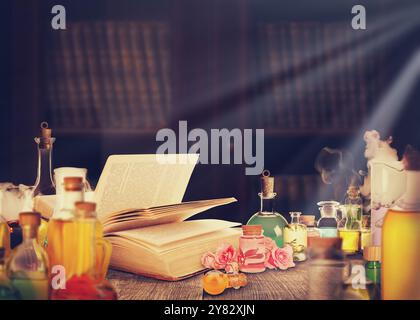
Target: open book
139,197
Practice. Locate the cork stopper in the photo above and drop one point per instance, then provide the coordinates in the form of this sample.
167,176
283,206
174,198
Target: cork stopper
326,243
252,230
29,218
85,209
372,253
73,183
45,131
267,185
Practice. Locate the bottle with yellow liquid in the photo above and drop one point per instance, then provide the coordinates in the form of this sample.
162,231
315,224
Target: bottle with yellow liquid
401,238
28,264
84,283
103,247
61,228
4,236
295,234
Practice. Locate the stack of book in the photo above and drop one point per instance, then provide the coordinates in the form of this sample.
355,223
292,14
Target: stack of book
112,74
318,77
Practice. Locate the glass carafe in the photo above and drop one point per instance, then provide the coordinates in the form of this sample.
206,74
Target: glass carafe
28,264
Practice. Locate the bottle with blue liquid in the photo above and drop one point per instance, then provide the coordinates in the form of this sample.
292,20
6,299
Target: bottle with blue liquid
327,224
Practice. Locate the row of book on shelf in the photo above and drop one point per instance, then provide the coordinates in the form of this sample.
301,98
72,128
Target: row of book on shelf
111,74
318,75
116,75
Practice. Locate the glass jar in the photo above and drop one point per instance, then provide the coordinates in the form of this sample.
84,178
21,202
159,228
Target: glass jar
327,224
251,256
295,234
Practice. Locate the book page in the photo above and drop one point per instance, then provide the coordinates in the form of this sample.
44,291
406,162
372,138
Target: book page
141,181
163,234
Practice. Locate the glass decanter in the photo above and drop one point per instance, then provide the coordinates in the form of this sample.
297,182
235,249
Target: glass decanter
272,222
295,234
28,264
327,224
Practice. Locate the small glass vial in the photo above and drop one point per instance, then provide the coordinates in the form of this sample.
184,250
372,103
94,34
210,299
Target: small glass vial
309,222
295,234
327,224
251,249
365,234
372,256
28,264
216,282
353,205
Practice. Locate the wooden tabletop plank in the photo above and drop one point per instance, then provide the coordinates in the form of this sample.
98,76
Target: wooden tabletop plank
133,287
270,285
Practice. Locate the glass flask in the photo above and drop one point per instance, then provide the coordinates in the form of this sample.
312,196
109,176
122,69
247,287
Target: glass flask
296,235
28,264
44,184
327,224
216,282
272,222
83,283
7,291
61,239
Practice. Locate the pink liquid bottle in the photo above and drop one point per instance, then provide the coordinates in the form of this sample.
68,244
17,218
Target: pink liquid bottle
251,249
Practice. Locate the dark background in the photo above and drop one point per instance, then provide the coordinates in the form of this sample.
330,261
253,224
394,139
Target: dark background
218,78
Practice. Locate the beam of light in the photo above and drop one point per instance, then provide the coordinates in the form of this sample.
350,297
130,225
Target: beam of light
390,26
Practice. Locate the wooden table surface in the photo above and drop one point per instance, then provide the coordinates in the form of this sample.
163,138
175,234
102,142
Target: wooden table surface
269,285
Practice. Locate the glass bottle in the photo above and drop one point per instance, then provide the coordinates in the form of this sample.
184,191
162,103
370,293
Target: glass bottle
7,291
4,237
309,222
251,249
61,227
272,222
216,282
353,207
296,235
372,256
326,269
365,234
103,246
44,184
401,237
83,283
28,264
327,224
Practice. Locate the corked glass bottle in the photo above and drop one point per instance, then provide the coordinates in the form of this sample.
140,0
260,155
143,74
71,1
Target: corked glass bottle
272,222
216,282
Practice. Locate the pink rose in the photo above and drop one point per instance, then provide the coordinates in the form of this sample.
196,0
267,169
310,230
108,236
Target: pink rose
225,254
232,267
269,245
208,259
281,258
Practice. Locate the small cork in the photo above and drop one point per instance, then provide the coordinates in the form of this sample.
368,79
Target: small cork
372,253
73,183
29,218
267,185
252,230
45,131
85,209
